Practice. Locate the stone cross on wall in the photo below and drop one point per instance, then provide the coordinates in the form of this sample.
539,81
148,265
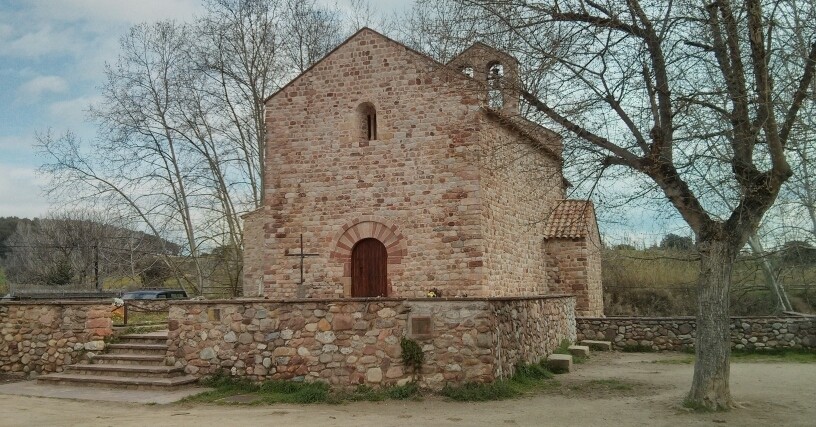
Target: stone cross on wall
301,291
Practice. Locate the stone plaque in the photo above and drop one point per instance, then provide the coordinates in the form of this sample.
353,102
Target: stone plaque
421,326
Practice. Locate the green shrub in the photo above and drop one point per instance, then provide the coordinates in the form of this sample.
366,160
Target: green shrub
403,392
412,355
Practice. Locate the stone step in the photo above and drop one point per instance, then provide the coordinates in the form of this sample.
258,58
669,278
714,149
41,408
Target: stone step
559,362
159,337
579,350
128,359
598,345
140,340
117,382
126,348
132,371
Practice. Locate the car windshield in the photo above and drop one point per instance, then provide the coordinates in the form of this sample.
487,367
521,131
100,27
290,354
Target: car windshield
139,295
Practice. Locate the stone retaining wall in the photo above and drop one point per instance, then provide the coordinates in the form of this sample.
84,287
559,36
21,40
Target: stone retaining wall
42,337
677,333
347,342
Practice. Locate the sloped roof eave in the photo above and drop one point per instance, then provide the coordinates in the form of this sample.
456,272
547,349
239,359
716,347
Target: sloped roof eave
345,42
534,140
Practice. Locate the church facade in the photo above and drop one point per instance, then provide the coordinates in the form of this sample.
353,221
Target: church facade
404,176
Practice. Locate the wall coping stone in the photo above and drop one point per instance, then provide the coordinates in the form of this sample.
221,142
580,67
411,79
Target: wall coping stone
368,299
58,302
686,318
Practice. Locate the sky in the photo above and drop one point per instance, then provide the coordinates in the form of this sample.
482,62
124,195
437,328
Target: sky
52,58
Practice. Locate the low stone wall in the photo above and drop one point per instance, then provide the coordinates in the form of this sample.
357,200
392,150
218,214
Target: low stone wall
677,333
42,337
347,342
530,330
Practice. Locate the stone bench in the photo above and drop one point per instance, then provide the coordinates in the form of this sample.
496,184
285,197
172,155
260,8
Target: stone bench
598,345
559,362
579,350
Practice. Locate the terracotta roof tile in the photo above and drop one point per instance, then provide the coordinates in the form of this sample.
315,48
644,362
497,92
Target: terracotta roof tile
570,219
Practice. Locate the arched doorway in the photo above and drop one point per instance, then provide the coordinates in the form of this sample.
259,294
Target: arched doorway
369,269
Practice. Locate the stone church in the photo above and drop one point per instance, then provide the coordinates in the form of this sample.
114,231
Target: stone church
400,175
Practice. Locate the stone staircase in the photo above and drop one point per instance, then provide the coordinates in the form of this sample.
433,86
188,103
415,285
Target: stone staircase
136,361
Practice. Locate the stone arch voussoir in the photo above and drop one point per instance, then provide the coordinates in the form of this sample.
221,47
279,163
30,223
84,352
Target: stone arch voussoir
367,227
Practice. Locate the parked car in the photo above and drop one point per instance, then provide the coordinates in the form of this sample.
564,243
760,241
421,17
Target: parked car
155,294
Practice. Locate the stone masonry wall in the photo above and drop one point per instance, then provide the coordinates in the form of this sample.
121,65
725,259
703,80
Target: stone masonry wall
519,186
530,329
677,333
574,267
414,179
357,341
417,186
39,338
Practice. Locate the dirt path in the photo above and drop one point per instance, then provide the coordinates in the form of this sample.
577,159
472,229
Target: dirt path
612,389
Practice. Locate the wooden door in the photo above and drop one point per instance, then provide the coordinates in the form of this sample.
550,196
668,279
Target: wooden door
369,268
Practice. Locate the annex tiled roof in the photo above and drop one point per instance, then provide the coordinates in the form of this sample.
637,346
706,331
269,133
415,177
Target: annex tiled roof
570,219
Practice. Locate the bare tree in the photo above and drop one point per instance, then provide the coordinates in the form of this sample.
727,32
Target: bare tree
632,83
182,126
311,32
80,248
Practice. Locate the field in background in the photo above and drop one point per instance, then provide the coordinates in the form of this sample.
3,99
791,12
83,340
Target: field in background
658,282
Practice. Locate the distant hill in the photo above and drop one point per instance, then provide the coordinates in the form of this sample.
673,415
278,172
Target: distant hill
9,224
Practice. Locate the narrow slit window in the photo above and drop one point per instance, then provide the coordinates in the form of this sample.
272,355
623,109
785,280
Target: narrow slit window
371,126
367,116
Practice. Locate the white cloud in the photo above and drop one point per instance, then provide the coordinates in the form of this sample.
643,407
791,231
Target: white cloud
37,42
72,111
130,12
21,192
33,89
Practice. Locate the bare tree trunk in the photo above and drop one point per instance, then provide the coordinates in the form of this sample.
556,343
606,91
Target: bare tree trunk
710,386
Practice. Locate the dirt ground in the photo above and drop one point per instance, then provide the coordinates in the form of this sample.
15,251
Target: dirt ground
617,389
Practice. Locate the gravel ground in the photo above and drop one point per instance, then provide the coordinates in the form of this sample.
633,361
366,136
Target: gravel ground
617,389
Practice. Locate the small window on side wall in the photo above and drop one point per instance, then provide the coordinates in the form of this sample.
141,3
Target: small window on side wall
468,71
367,122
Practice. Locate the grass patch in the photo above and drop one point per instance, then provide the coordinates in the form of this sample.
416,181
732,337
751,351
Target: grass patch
527,379
269,392
612,384
478,392
775,355
138,318
232,390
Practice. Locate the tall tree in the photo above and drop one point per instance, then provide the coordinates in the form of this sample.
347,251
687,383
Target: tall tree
632,84
182,124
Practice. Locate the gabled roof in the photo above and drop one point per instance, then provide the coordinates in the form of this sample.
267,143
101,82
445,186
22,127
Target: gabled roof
571,219
480,45
345,42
